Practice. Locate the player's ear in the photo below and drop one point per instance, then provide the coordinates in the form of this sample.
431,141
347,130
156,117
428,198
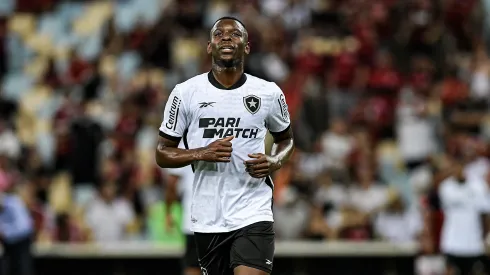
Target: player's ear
247,48
208,49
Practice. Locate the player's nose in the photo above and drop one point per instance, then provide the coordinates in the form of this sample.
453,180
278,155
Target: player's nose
226,37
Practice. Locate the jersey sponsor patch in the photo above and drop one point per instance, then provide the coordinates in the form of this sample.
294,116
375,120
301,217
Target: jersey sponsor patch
252,103
173,114
283,106
221,127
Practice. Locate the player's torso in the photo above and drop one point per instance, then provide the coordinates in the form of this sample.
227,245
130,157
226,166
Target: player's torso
224,194
216,114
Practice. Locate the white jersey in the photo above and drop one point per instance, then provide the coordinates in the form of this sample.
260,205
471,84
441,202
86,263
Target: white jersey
463,204
184,187
200,110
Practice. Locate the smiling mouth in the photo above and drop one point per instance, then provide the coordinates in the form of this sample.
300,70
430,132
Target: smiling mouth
227,49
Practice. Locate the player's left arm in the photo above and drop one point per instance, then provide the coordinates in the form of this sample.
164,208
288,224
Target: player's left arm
278,123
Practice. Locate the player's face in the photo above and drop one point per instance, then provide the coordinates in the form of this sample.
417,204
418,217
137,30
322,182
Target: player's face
228,41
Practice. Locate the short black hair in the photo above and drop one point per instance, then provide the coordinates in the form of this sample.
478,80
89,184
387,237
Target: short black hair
231,18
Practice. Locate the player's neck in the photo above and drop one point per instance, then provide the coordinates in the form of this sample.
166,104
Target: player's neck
227,76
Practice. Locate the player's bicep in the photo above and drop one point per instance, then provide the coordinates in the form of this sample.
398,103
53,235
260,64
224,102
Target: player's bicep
174,121
284,135
164,142
278,121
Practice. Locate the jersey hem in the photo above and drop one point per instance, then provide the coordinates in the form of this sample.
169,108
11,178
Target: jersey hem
275,134
216,229
167,136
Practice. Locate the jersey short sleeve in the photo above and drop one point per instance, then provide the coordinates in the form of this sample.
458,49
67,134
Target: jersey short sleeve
278,117
175,120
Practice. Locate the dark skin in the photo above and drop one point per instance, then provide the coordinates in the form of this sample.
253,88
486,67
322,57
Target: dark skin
228,47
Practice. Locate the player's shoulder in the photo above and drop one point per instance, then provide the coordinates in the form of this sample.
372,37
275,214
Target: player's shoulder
192,84
262,85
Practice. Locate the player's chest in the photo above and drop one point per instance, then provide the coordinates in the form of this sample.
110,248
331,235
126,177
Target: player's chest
229,109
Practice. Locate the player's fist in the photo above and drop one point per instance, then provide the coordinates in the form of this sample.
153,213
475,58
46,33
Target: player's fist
218,151
261,165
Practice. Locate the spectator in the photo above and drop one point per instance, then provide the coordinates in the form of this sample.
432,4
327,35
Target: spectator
85,139
337,144
416,132
330,200
398,224
292,215
66,230
116,213
16,234
366,199
463,200
385,86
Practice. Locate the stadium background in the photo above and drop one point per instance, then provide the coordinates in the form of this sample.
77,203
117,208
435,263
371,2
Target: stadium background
383,94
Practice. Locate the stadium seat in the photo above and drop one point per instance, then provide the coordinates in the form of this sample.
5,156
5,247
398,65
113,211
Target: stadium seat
107,66
7,7
36,68
40,43
93,18
127,64
22,24
15,85
69,11
125,16
18,52
91,46
148,11
51,25
28,121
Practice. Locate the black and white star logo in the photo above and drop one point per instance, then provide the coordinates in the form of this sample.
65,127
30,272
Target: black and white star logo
252,103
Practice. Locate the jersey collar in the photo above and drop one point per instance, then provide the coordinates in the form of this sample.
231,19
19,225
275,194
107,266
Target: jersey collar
218,85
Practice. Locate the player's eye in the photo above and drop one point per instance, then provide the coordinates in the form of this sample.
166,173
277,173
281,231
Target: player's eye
237,34
218,33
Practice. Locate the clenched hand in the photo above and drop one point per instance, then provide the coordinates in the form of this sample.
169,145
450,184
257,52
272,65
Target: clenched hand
217,151
261,165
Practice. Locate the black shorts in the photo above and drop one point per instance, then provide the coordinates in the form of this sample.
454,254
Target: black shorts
252,246
190,259
467,265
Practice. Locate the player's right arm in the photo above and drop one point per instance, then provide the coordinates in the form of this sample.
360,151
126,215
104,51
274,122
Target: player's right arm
175,123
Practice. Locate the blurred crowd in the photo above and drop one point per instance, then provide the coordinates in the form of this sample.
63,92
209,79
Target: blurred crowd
386,96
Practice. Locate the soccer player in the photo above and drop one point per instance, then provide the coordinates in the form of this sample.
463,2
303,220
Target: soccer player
180,182
223,117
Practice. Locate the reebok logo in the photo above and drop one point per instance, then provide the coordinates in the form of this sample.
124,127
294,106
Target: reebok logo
173,114
268,262
224,127
206,104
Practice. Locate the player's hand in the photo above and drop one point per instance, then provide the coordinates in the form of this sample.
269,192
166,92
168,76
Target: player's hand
261,165
218,151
